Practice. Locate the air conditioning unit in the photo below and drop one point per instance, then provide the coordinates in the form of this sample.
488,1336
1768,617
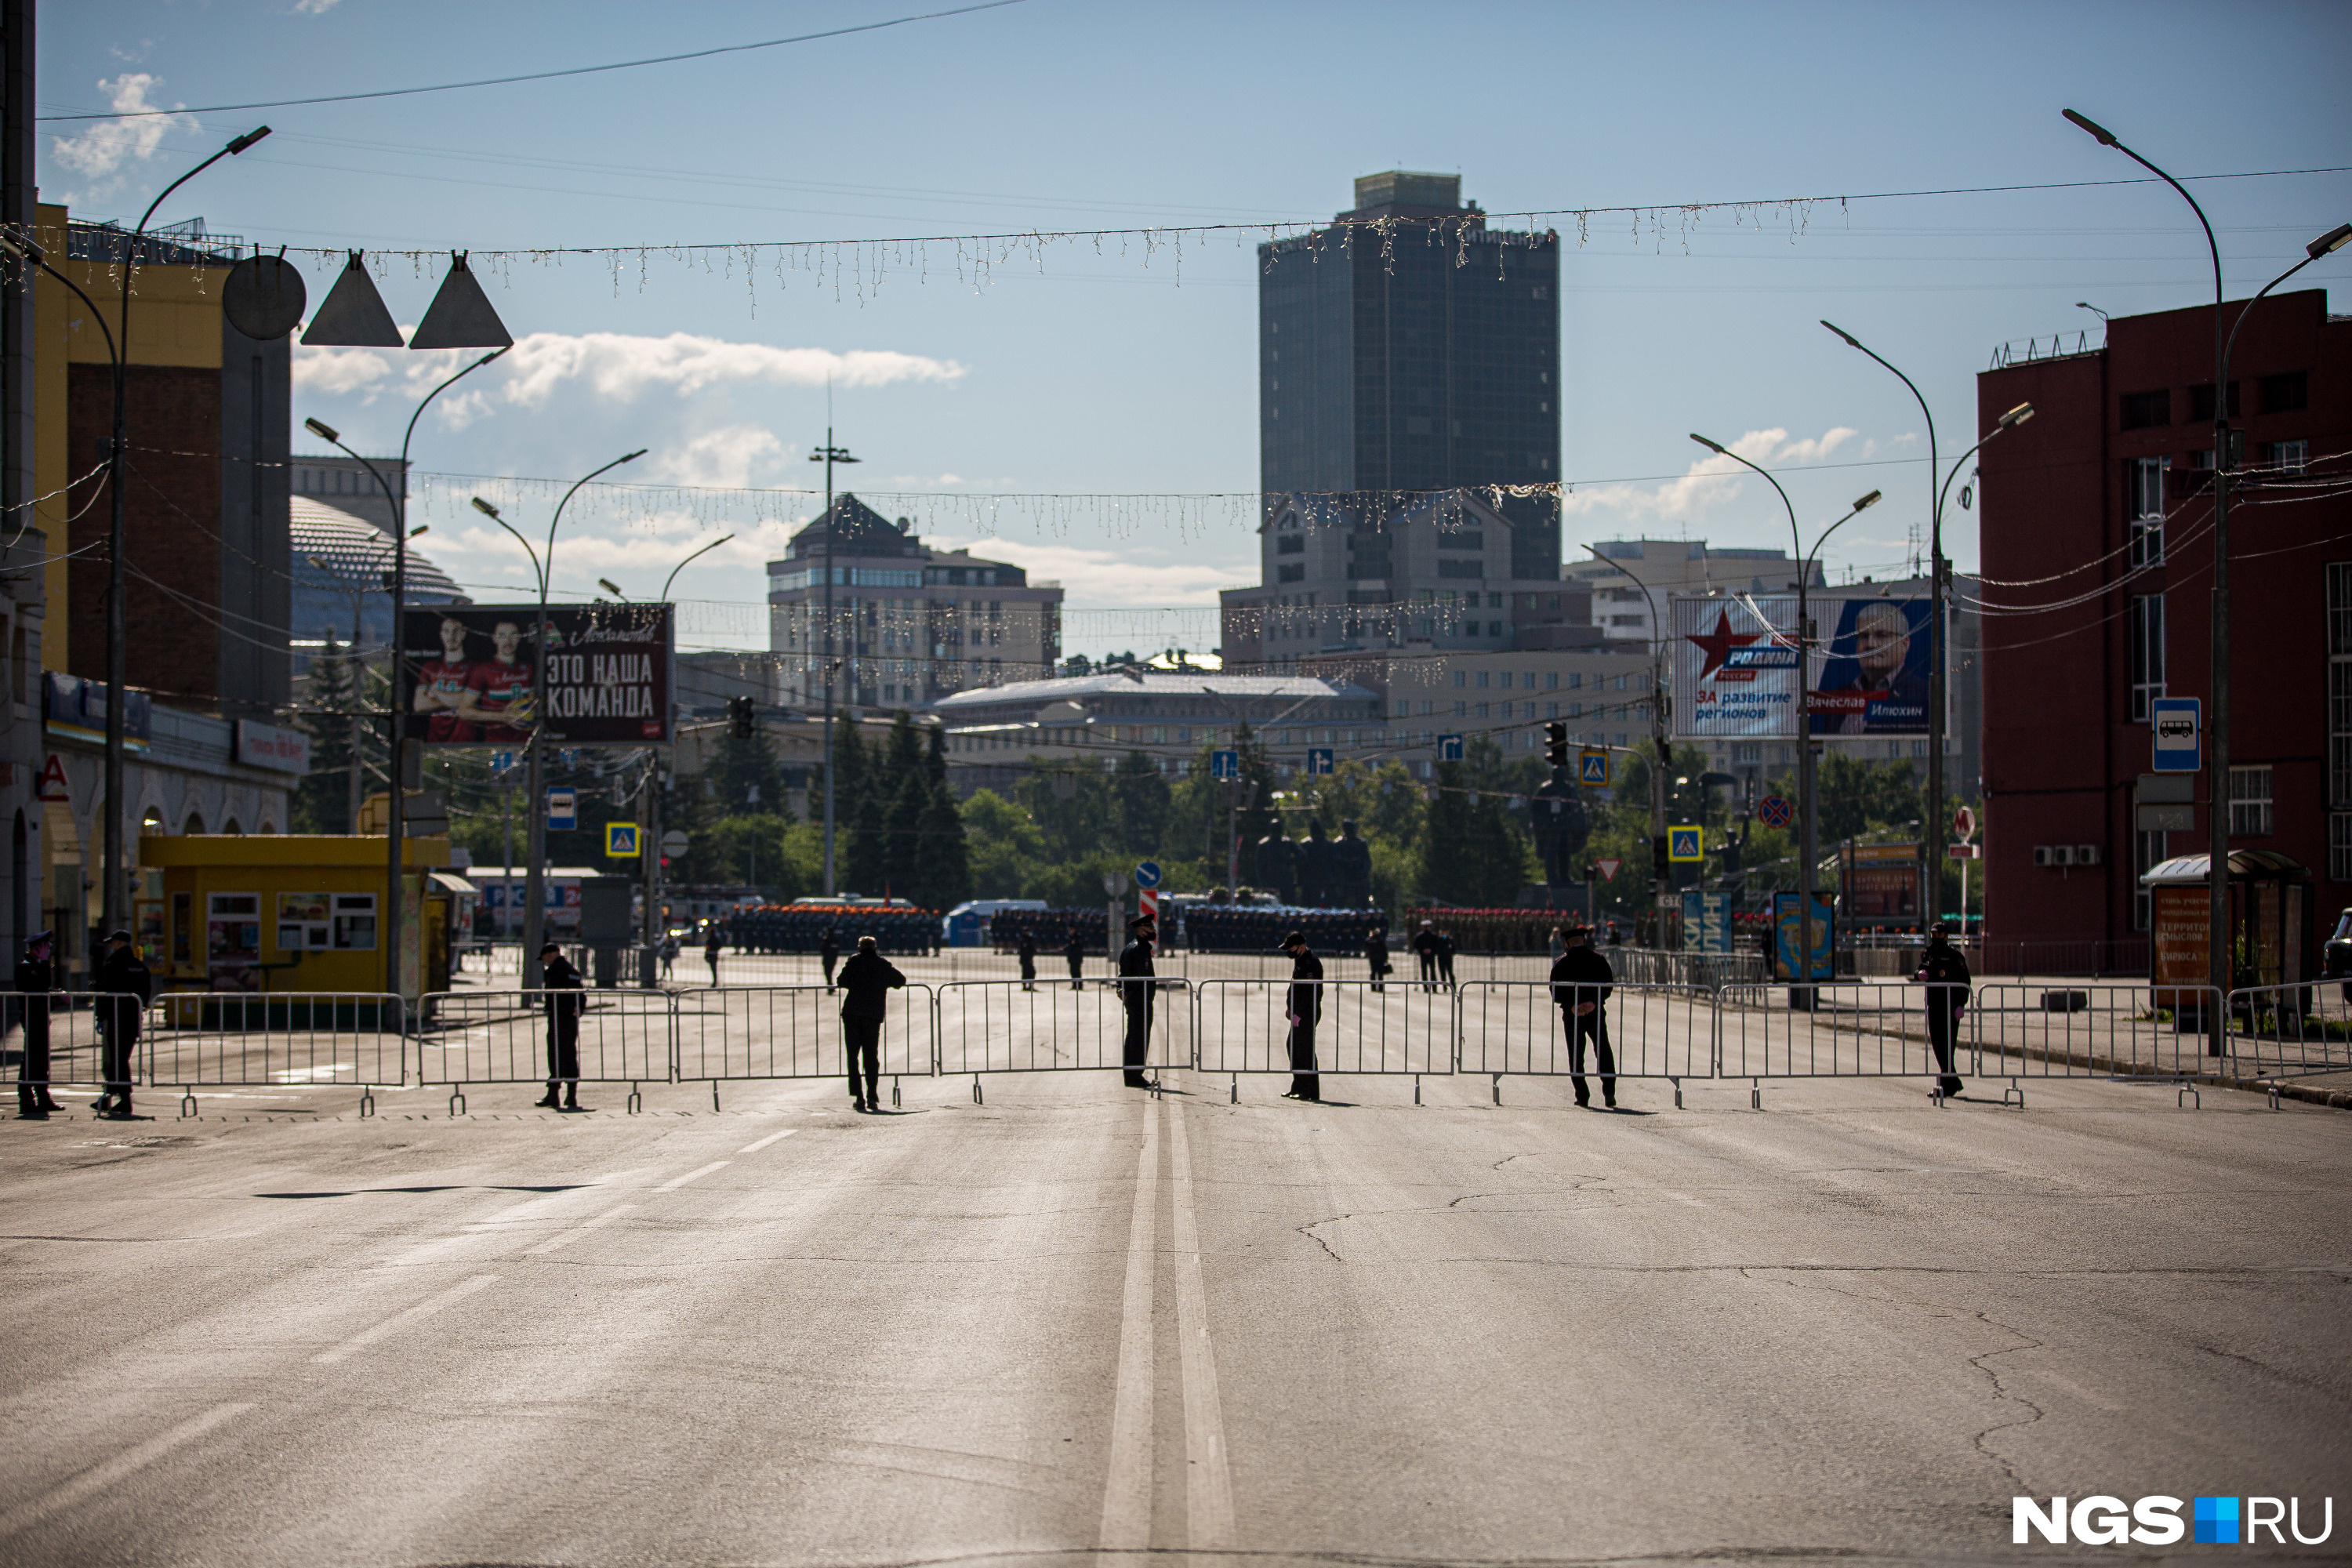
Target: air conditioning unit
2086,853
2042,855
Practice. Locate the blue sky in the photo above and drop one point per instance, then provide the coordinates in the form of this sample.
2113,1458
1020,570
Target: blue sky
1098,372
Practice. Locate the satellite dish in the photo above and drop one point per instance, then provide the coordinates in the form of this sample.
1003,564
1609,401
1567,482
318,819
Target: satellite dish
263,297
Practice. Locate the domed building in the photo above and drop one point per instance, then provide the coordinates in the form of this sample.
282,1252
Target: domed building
343,578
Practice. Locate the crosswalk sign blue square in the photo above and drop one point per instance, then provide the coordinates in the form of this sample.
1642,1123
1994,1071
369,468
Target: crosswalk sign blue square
621,840
1592,768
1685,844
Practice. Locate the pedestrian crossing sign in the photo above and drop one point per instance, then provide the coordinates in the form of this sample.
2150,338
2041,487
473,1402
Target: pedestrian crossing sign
1592,766
1685,844
620,840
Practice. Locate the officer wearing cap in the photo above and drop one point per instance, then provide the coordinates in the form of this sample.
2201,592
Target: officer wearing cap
124,983
566,997
1135,986
1580,981
37,976
1304,1010
1947,975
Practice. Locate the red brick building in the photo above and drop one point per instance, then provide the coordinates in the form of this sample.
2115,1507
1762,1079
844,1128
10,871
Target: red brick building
2098,563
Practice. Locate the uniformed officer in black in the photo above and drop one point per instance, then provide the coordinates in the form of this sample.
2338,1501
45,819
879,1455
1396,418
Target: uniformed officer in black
1305,1007
1075,951
867,982
828,953
1376,956
1580,981
37,976
712,948
566,998
1425,946
1136,984
1027,949
124,984
1948,979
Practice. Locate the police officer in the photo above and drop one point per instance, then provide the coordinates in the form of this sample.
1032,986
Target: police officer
1425,946
1135,987
124,983
828,953
867,982
1075,951
1305,1010
714,944
37,976
1026,948
1445,958
1581,981
1376,956
1947,975
566,998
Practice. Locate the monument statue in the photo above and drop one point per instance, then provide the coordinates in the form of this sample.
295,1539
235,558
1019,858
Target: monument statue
1314,867
1276,865
1348,884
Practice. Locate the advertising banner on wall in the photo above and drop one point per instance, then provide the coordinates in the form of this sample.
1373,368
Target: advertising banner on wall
1734,662
1882,884
468,672
1871,679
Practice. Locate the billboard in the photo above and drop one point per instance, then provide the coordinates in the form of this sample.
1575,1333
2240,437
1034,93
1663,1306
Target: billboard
468,674
1734,662
1882,884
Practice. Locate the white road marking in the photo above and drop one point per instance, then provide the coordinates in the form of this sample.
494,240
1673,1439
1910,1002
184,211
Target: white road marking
128,1462
399,1321
755,1148
1208,1483
1126,1484
566,1237
676,1182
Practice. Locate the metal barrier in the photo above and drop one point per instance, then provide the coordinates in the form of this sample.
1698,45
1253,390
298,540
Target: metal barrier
1652,966
74,1040
218,1039
1394,1029
792,1032
2278,1032
1516,1028
1851,1029
502,1037
1002,1025
2119,1031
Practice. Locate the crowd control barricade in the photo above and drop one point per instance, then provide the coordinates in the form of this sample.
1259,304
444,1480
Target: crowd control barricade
2279,1032
1388,1029
502,1037
1516,1028
72,1017
735,1034
2127,1031
1010,1026
1830,1029
220,1039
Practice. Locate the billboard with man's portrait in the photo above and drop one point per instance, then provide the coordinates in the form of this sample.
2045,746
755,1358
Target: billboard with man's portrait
1872,676
470,674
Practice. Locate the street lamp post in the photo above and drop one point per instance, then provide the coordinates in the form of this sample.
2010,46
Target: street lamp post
2220,972
829,455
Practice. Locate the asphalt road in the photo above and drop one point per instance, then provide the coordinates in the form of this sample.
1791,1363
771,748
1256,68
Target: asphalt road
1080,1324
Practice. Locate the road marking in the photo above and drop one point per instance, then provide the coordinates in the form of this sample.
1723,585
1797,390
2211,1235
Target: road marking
126,1463
676,1182
1208,1479
755,1148
1126,1484
399,1321
566,1237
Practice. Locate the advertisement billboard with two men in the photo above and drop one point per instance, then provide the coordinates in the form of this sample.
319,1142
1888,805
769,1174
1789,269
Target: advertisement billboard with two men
1735,656
469,673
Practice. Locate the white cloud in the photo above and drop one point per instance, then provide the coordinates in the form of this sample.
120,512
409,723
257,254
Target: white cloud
728,457
1110,576
312,7
616,365
108,145
1709,481
339,373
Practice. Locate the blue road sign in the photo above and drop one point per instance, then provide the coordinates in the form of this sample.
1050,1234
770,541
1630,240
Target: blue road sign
568,757
1449,748
1685,844
562,810
1775,811
1147,874
501,761
1592,766
1319,759
1224,764
621,840
2176,732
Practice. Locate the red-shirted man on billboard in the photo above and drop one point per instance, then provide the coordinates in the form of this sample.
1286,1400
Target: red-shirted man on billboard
499,699
442,689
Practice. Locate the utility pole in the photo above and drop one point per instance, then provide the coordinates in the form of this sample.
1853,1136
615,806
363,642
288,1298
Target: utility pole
829,455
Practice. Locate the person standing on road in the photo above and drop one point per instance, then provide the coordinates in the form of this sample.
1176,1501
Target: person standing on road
1305,1008
1559,945
1580,981
867,982
712,947
668,953
1445,958
828,953
1947,975
566,998
1027,950
1425,946
1075,951
124,984
1136,984
1376,956
37,976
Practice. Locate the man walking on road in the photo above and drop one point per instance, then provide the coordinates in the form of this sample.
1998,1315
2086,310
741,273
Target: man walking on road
1075,951
1376,956
1027,949
867,982
1305,1010
1948,979
828,953
124,983
1580,981
1425,946
566,999
37,976
710,951
1445,959
1136,984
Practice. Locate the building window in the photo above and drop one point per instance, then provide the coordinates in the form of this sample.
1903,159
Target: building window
1461,677
1461,711
1482,680
2147,410
2147,509
1482,710
2339,847
2147,633
1292,573
2250,803
1551,681
2291,457
2285,393
2200,403
2339,685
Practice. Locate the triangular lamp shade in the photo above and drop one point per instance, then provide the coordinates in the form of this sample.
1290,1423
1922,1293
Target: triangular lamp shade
353,315
460,316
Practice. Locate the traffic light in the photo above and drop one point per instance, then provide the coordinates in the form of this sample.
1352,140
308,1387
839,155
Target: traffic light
1555,744
742,718
1660,867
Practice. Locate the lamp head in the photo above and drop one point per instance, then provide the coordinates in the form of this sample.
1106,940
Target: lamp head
420,528
1710,446
610,587
1866,502
2334,239
321,566
632,456
1851,341
247,140
492,355
322,430
486,510
2099,134
2017,416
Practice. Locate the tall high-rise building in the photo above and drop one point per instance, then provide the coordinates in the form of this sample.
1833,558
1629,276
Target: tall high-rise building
1419,357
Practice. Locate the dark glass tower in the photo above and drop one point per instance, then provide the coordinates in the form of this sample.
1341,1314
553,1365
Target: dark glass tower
1420,357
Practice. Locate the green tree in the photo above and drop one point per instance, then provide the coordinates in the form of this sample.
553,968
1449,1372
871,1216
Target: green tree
744,776
1006,846
322,802
1471,851
1139,805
